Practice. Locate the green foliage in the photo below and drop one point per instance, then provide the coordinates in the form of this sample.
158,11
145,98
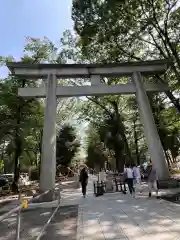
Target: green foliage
22,119
96,152
1,165
67,145
119,31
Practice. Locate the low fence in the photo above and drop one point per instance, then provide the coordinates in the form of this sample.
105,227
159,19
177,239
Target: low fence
25,204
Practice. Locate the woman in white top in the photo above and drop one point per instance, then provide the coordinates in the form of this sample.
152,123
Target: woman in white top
129,175
137,176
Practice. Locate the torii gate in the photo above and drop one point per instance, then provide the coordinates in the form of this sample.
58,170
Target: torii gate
93,71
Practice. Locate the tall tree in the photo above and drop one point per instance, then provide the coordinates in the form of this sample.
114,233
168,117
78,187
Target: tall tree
22,119
95,149
116,31
67,145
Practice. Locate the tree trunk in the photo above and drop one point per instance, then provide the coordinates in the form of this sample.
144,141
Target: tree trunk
167,158
18,143
136,144
16,162
174,100
120,161
127,149
170,95
121,130
2,157
40,149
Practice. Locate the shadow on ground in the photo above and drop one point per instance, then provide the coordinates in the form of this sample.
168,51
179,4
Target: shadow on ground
119,216
4,203
63,226
174,198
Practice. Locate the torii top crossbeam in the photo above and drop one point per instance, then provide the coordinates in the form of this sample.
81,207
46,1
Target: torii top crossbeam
86,70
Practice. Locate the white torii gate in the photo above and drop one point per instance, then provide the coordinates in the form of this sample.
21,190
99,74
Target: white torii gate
51,91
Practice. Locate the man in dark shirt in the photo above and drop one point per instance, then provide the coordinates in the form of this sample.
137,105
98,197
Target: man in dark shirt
83,180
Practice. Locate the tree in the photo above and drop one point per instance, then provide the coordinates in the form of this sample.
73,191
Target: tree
17,119
112,136
1,166
67,145
96,152
118,31
134,130
22,119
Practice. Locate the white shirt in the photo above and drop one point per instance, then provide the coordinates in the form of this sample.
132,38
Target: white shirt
129,172
102,176
136,171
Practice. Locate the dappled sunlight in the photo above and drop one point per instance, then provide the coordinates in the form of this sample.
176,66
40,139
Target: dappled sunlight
108,217
166,222
118,216
64,224
91,223
64,232
120,201
45,214
34,232
66,184
32,222
98,237
156,236
10,220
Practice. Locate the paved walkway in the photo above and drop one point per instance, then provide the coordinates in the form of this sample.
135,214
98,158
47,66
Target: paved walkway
118,216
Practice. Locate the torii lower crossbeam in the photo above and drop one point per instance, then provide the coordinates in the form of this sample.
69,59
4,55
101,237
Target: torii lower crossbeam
98,90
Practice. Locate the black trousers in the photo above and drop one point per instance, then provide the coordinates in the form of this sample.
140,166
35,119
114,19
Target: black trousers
83,185
130,185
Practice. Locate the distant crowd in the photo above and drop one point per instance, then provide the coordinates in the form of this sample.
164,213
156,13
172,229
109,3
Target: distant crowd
132,175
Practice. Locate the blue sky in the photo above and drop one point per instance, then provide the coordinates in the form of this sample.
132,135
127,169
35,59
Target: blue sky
34,18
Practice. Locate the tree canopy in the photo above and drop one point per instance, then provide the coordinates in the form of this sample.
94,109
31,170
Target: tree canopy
123,31
22,119
67,145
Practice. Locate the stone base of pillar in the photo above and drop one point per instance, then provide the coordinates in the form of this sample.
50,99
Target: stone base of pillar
169,183
48,196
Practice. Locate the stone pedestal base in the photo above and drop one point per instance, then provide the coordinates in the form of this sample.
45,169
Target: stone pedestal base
109,186
49,196
169,183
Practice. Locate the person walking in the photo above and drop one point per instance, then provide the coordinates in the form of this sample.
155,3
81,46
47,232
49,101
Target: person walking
152,179
83,180
129,176
137,176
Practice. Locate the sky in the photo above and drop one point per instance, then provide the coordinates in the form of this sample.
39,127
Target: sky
34,18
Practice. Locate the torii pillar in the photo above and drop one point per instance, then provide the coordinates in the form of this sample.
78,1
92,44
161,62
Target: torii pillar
150,130
48,161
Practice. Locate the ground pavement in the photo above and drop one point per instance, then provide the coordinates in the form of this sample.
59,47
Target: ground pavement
118,216
62,227
111,216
